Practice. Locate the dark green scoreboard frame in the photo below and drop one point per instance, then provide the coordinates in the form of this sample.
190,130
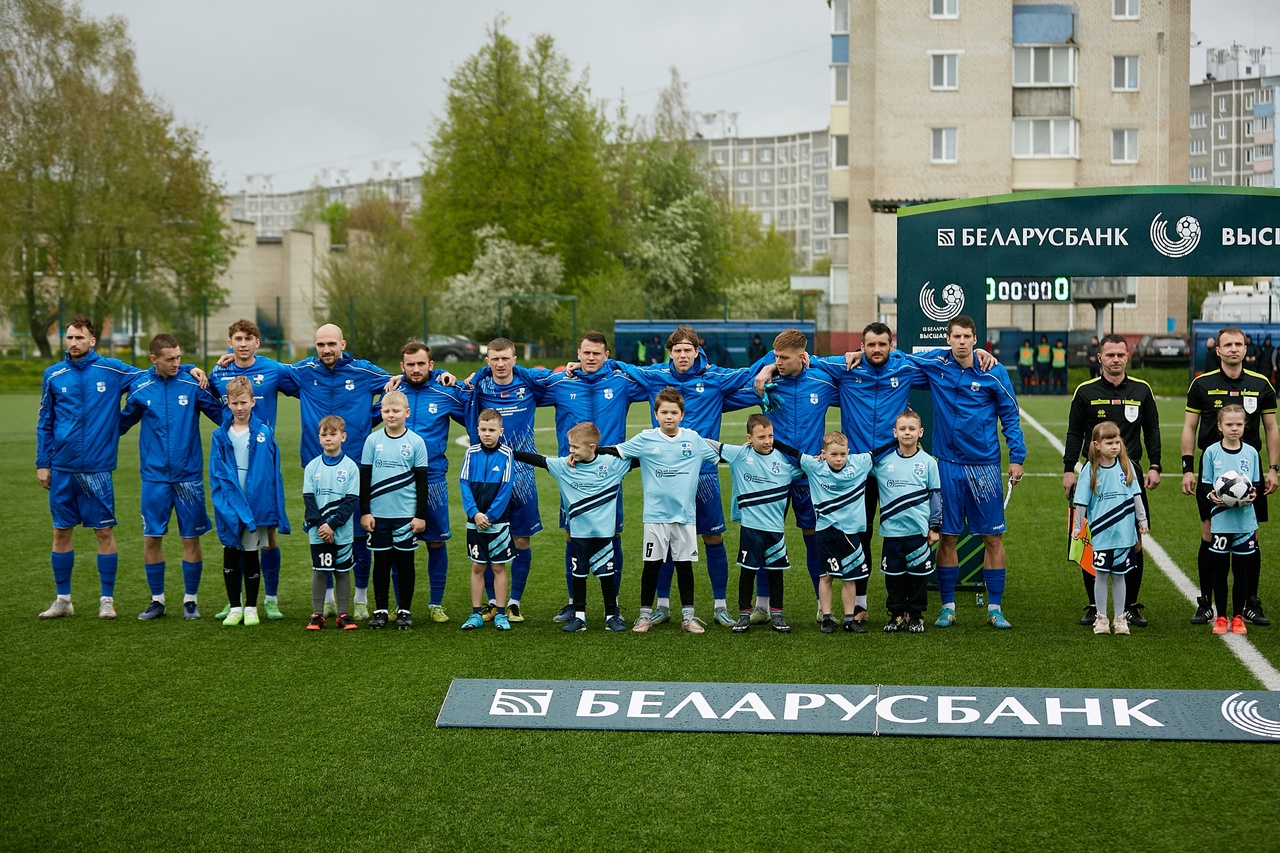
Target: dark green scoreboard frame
947,250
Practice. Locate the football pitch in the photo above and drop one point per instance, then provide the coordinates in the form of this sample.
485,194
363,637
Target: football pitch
185,734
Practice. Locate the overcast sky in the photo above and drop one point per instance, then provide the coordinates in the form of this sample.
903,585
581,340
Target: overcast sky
288,87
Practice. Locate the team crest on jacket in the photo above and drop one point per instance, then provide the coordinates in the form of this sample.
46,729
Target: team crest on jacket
893,382
1131,414
341,477
350,385
258,379
433,408
777,467
813,399
603,472
102,387
261,438
520,393
406,451
975,387
1250,404
182,399
699,387
608,393
1244,467
686,450
919,469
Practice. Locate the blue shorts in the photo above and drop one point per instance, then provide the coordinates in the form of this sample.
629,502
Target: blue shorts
762,549
392,533
842,555
709,506
87,499
490,546
972,493
437,513
159,500
594,555
802,505
1116,561
1234,543
564,522
523,514
906,555
332,557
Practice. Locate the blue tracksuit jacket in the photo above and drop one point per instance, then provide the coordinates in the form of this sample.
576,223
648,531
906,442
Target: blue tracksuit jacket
261,502
344,390
78,430
169,443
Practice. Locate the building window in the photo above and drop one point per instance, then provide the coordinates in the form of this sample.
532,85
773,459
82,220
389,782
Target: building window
1264,152
1264,96
944,71
820,159
944,8
840,16
1223,130
782,217
804,174
819,247
1222,159
744,199
819,202
744,156
765,155
253,207
820,224
744,176
237,213
718,156
820,181
1124,73
1248,100
782,196
1248,156
782,153
1222,105
1126,10
802,216
839,84
1264,123
766,218
804,195
1248,128
765,197
943,147
764,176
839,152
1124,146
1199,120
1043,66
1198,146
840,217
1044,137
1197,173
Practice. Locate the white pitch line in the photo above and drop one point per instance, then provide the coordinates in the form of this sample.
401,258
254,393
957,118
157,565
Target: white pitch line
1239,645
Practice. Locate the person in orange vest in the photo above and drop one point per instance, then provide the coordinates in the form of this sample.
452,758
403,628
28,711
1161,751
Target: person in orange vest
1044,356
1026,364
1059,365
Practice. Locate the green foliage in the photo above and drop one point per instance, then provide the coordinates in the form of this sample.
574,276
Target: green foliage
102,192
521,147
504,268
359,284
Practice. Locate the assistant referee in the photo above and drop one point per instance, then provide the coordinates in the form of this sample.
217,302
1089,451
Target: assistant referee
1129,404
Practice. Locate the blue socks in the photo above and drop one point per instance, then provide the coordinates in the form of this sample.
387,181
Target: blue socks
107,564
717,570
948,576
271,571
155,577
437,570
665,572
520,572
191,576
813,561
994,579
488,581
62,564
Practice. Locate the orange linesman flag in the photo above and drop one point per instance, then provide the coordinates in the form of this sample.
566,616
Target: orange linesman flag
1080,550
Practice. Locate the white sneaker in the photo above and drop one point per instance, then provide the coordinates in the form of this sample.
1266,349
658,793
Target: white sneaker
60,607
691,624
1102,626
106,607
1121,624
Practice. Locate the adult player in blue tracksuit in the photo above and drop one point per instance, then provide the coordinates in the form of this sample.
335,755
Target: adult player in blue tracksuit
168,401
268,378
334,383
594,394
431,408
248,497
708,391
515,398
77,436
797,404
968,403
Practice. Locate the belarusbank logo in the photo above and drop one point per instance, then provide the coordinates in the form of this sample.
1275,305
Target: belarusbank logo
951,306
1020,712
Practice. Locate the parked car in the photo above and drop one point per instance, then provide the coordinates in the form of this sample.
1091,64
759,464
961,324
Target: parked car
452,348
1162,351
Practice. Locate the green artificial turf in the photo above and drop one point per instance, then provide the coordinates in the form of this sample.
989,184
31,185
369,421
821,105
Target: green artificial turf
177,734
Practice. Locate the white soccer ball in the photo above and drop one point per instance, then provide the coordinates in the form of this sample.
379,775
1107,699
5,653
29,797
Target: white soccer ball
1187,227
1232,488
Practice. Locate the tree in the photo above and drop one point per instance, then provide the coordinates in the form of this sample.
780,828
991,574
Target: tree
523,147
102,192
504,268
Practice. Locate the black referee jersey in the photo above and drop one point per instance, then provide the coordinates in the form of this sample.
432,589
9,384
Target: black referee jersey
1130,405
1210,391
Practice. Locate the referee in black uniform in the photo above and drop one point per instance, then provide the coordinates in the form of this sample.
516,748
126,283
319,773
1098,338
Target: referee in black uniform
1208,393
1130,405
